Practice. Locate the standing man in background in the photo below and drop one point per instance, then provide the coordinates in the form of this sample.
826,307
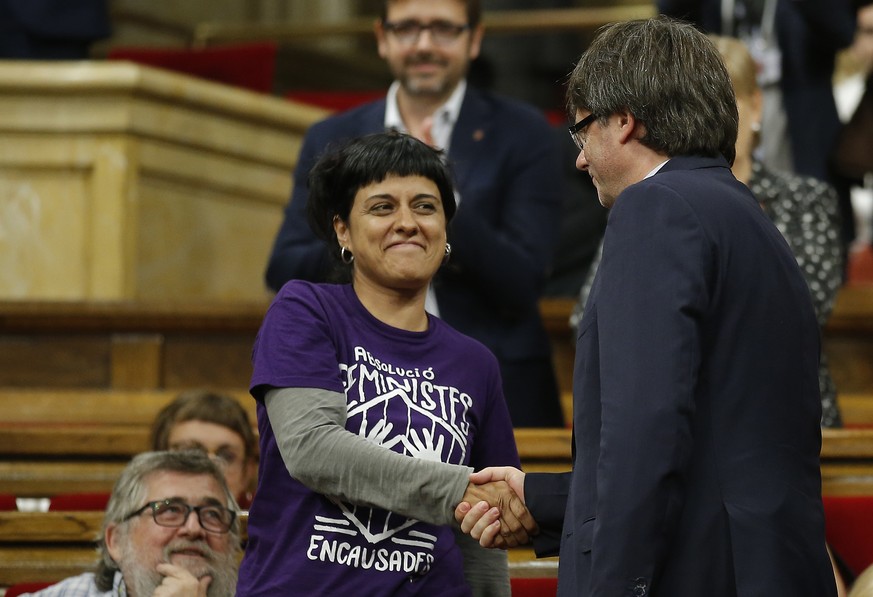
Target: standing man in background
508,177
696,403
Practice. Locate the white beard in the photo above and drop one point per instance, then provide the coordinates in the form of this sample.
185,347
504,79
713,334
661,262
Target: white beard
142,582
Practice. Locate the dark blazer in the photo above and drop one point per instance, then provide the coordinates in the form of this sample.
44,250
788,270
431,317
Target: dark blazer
696,406
809,33
51,28
81,19
508,174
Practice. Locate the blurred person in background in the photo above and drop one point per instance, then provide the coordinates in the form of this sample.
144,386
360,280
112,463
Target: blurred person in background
794,44
52,29
853,156
218,425
508,180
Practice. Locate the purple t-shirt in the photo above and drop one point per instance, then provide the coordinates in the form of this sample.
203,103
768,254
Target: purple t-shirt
441,393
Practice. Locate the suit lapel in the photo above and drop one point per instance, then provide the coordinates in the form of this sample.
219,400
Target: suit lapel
473,126
372,118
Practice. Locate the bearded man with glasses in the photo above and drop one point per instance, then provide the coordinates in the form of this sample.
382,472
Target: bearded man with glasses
508,177
171,529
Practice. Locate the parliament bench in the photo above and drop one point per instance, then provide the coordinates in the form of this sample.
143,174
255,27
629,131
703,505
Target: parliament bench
142,346
65,441
43,459
125,345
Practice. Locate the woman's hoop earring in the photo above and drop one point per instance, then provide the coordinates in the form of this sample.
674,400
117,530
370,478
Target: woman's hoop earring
448,253
346,256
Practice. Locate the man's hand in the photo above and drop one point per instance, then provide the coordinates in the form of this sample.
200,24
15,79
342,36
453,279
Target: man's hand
513,476
178,582
493,510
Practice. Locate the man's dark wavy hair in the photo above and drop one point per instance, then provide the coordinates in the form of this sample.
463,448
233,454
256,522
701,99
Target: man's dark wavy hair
669,76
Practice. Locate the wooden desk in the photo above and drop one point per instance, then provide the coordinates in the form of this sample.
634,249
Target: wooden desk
129,182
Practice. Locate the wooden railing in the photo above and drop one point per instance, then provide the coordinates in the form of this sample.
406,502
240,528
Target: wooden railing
496,22
41,460
121,345
500,22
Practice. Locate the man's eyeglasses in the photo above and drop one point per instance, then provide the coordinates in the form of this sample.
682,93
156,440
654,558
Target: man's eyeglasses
441,32
174,513
577,128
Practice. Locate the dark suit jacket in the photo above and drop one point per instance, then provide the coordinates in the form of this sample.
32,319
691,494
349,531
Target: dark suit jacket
51,29
696,406
507,171
59,19
809,33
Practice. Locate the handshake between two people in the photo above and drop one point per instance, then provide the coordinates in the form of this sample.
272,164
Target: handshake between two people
493,510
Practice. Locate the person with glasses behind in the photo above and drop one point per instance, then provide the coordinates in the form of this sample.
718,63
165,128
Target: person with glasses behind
171,528
508,179
219,426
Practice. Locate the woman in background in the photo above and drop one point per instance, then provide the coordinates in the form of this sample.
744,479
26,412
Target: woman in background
218,425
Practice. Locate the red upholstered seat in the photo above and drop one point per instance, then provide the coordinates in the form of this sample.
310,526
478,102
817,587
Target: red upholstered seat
65,502
335,100
250,66
534,587
849,529
7,502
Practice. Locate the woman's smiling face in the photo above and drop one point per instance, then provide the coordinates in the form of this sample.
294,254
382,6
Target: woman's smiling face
397,232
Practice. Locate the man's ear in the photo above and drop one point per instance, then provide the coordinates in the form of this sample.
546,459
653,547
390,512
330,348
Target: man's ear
476,36
379,31
629,128
112,538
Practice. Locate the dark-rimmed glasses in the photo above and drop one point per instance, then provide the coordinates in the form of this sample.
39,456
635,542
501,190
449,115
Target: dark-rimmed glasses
577,128
174,513
441,32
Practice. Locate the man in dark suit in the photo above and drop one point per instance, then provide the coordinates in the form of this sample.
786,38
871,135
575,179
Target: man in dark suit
51,29
696,406
508,177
